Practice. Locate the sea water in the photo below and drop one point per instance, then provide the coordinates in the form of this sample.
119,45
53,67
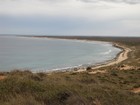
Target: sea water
43,54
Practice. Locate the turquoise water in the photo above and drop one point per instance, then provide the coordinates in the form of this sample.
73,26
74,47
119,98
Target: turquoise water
42,54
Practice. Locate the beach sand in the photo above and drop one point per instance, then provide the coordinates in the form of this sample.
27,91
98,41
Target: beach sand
122,56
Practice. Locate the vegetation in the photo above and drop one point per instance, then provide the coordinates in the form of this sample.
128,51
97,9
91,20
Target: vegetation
113,88
73,88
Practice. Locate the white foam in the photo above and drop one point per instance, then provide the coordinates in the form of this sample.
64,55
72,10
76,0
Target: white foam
107,52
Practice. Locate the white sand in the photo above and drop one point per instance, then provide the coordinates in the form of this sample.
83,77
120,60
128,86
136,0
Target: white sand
122,56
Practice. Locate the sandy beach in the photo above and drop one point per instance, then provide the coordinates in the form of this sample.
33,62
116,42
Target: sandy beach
122,56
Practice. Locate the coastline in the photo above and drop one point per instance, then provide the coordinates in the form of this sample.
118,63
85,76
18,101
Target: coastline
121,56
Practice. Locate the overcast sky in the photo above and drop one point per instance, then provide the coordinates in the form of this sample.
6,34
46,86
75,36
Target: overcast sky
70,17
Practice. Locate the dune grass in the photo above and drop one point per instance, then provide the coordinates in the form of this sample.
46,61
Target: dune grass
112,88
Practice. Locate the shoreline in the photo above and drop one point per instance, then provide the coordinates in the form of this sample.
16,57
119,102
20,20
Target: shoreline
121,56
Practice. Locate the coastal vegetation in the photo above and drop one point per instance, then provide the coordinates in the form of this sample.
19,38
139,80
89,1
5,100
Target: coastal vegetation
118,85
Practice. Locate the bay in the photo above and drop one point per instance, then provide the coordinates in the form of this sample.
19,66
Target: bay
43,54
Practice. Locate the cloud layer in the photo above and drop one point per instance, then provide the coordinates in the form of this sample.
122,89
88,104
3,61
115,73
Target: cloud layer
116,1
83,17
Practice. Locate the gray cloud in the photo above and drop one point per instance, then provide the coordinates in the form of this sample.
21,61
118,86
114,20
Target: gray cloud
90,1
81,17
116,1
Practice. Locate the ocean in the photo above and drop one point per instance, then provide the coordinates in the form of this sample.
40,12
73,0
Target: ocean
43,54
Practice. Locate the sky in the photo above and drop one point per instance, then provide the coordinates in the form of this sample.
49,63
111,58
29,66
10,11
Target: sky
70,17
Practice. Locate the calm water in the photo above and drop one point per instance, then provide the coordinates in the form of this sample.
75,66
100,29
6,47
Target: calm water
47,54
